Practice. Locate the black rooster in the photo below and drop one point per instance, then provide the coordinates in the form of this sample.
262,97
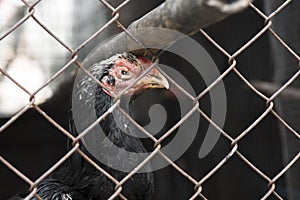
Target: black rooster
78,180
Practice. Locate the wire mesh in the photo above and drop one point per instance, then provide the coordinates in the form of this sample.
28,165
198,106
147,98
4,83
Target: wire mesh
232,68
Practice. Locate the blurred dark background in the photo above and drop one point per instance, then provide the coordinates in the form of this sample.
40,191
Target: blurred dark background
33,145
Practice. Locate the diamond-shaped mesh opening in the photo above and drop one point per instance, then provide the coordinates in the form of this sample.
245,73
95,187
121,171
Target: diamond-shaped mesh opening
239,172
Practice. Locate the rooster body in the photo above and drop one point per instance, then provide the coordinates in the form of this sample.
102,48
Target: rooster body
78,179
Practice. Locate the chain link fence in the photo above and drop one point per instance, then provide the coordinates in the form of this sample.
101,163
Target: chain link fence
261,90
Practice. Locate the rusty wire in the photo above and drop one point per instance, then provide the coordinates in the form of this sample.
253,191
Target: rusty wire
232,68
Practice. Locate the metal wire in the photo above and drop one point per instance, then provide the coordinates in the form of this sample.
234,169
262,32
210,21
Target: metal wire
232,68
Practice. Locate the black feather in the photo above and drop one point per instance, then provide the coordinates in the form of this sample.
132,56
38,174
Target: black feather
77,179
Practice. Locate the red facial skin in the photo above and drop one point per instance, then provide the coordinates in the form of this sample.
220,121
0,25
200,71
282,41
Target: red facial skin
125,73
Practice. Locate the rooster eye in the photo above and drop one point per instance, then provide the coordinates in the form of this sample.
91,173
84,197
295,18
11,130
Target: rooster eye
123,72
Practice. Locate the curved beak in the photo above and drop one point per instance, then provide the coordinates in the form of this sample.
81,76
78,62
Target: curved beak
154,79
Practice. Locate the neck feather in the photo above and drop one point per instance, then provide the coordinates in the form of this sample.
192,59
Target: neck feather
111,124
